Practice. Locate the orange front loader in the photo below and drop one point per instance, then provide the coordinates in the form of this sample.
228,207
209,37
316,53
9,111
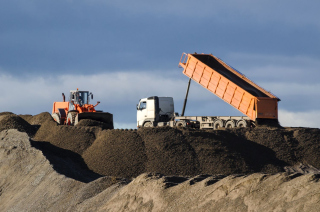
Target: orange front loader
77,108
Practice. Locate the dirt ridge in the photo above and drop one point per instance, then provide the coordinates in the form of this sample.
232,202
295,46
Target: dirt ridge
47,167
174,151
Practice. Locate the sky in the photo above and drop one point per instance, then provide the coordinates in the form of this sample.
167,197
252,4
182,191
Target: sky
124,50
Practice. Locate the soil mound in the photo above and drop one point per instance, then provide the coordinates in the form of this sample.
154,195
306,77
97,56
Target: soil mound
6,113
11,121
30,182
92,123
175,151
74,138
61,168
37,119
188,152
117,153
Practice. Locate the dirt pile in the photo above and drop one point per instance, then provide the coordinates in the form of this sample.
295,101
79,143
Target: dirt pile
30,182
9,120
61,168
256,192
173,151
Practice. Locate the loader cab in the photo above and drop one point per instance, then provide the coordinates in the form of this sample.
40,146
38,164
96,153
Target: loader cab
80,97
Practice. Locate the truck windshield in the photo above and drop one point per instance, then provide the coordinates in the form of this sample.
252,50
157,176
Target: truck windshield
143,105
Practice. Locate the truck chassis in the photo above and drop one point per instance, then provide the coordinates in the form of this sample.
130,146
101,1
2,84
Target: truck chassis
204,122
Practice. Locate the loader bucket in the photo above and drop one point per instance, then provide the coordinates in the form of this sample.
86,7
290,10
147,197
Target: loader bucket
104,117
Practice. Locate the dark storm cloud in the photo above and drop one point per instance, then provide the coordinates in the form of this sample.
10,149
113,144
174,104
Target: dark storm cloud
127,50
90,36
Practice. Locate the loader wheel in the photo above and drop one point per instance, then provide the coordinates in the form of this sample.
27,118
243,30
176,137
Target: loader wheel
56,118
217,124
71,117
147,124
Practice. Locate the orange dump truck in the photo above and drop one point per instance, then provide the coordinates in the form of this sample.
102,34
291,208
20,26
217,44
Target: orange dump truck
231,86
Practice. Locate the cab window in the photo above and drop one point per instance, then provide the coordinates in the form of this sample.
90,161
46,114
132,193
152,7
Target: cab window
143,105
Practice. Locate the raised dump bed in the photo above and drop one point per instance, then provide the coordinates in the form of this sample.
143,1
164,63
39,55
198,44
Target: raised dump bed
230,85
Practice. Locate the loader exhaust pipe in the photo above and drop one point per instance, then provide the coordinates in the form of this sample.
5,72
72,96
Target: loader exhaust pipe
63,97
185,100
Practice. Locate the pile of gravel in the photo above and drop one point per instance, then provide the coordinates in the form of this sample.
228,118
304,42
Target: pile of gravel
11,121
37,119
174,151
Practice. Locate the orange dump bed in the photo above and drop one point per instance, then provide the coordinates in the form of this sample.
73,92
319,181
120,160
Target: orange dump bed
230,85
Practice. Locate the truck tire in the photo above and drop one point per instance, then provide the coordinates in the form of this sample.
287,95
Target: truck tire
242,123
56,117
71,117
148,124
230,124
217,124
181,124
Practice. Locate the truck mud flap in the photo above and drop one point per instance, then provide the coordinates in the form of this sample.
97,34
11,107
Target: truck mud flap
104,117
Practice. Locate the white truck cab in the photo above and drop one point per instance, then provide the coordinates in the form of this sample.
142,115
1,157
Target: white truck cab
154,109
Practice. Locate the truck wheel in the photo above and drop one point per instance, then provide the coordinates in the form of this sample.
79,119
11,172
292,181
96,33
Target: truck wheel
230,124
242,123
71,117
217,124
147,124
56,117
181,124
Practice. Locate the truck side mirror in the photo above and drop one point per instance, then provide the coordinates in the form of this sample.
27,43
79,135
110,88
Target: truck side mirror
137,107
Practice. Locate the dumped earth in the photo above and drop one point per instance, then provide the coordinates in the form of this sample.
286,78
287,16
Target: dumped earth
47,167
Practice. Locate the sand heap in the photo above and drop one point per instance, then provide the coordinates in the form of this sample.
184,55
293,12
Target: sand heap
38,176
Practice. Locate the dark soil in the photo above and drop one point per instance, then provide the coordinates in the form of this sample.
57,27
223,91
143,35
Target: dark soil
171,151
11,121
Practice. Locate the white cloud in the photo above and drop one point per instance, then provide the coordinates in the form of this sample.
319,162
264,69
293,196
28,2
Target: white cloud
123,86
23,93
119,93
299,119
120,88
132,85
